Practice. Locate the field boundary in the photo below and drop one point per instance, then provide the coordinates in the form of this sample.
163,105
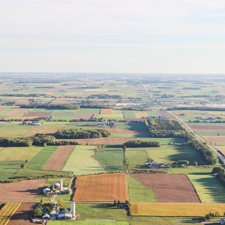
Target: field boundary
99,163
194,189
67,159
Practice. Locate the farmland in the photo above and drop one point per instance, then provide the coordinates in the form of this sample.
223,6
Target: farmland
7,211
87,223
175,209
8,169
81,161
101,188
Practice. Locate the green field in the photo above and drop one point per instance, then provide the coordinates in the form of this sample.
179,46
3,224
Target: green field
18,153
129,114
195,170
81,162
164,141
14,130
209,189
8,169
212,134
116,114
64,114
87,223
138,126
66,181
88,111
111,157
41,158
138,192
144,135
137,157
36,173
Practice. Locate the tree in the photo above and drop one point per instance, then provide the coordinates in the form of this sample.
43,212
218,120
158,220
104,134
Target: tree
126,163
124,148
45,144
217,169
60,203
37,212
22,166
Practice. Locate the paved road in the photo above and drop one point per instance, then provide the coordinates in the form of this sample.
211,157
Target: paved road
181,121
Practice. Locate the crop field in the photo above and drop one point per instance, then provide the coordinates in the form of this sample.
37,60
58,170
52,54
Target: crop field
99,141
209,189
41,158
18,153
164,113
138,192
213,139
163,141
137,157
170,153
88,111
175,209
133,126
8,169
7,211
82,116
87,223
169,187
140,115
15,112
14,130
23,214
81,161
111,157
116,114
103,187
129,114
106,111
43,130
58,158
64,114
33,115
26,190
209,129
220,148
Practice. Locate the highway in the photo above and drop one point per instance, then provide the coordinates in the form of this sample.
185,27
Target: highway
181,121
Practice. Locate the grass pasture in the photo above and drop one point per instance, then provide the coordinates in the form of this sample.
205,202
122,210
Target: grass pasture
101,188
19,153
137,157
163,141
138,192
111,157
41,158
116,114
209,189
137,126
64,114
8,169
14,130
7,211
81,161
129,114
175,209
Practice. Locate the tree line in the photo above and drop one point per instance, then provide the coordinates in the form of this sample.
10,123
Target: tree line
80,133
51,106
139,143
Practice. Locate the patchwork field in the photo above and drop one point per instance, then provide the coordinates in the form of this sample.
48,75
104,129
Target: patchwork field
34,115
209,189
81,161
106,111
169,187
175,209
23,214
7,211
111,157
103,187
43,130
18,153
26,190
58,158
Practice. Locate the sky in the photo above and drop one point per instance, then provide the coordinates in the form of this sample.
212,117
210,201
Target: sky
114,36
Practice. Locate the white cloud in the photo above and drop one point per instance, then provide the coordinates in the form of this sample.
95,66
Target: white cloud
216,15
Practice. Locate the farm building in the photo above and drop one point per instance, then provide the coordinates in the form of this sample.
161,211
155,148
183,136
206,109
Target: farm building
64,214
93,117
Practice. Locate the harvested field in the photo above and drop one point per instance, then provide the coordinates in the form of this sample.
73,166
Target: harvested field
169,187
215,139
43,130
4,122
106,111
175,209
140,115
220,148
103,187
33,115
16,112
208,129
26,190
164,113
82,116
23,214
99,141
58,158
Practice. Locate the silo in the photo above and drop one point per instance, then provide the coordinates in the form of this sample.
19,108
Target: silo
61,184
73,209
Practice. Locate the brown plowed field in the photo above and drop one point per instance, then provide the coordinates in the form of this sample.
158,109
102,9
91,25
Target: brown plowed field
26,190
134,119
140,115
4,122
103,187
43,130
208,129
58,158
123,131
33,115
169,187
106,111
99,141
82,116
215,139
16,112
2,108
164,113
23,214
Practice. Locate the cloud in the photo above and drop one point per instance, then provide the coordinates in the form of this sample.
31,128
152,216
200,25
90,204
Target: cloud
216,15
